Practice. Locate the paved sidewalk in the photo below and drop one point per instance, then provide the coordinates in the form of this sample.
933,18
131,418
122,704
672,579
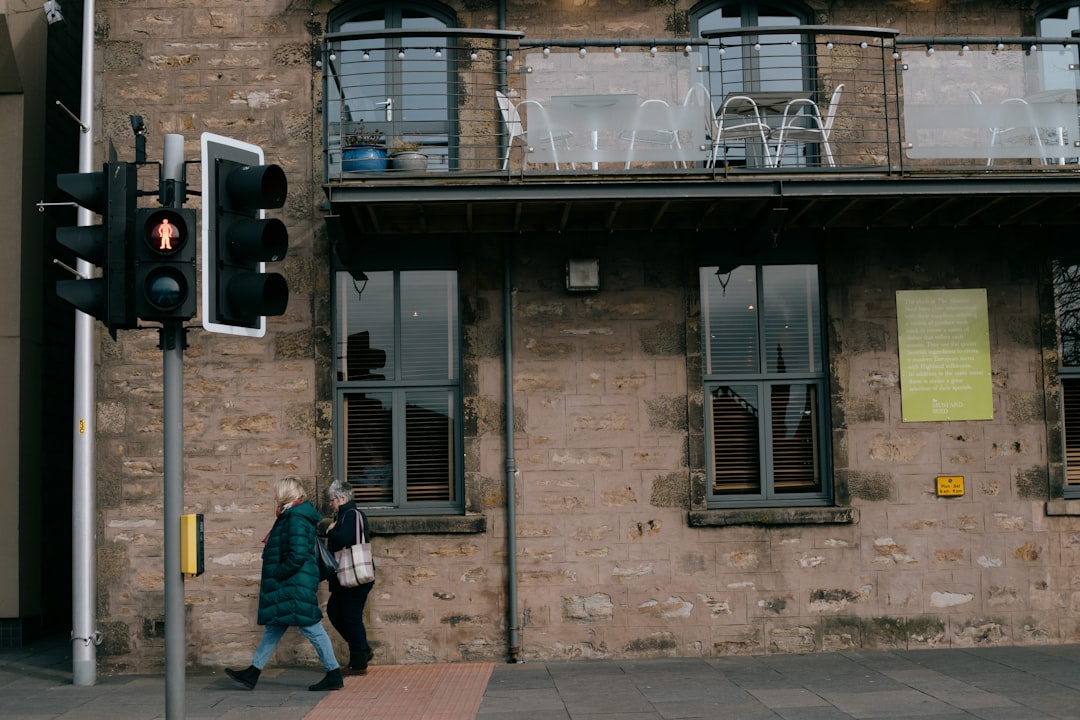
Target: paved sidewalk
1010,683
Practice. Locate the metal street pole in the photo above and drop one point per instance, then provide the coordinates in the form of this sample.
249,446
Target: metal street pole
173,339
84,634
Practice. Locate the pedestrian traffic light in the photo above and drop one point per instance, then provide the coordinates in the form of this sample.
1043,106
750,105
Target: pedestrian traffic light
112,193
238,239
165,264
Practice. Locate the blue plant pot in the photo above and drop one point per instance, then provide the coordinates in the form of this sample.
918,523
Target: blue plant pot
363,159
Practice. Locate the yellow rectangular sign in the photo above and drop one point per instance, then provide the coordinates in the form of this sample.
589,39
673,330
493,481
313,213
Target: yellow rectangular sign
950,485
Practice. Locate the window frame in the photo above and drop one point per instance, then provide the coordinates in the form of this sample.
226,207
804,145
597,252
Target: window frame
399,389
435,136
1068,378
766,382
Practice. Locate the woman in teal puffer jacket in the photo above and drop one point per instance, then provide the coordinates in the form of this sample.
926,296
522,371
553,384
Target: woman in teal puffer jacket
288,591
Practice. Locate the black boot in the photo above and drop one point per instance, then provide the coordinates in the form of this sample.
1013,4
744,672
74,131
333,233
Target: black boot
247,678
332,681
358,663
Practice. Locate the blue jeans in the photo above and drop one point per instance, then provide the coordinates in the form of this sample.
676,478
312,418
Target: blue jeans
315,634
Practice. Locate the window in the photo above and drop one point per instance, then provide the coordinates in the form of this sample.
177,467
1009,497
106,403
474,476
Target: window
398,389
753,64
399,86
1067,305
764,383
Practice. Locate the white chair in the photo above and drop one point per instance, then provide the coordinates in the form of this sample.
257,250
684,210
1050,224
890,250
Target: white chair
739,119
809,126
652,125
515,128
1008,133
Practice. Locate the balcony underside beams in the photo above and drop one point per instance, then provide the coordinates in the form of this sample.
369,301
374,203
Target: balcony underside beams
705,207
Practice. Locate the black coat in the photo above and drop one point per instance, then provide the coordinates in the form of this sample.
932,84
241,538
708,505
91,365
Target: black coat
290,573
343,534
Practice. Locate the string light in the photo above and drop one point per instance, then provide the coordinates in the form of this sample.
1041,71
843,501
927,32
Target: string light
687,49
652,51
618,49
367,55
929,49
863,45
509,56
829,45
473,55
401,54
581,52
438,52
1000,46
547,51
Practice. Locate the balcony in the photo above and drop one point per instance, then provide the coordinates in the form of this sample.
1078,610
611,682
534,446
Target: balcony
409,111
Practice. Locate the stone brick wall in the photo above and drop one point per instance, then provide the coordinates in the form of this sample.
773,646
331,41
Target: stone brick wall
606,411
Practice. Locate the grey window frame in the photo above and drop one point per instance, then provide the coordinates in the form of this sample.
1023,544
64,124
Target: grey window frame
766,381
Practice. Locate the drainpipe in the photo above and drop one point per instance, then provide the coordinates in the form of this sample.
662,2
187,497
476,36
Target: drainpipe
511,468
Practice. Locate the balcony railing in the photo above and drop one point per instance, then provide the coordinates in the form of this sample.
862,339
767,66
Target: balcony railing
434,104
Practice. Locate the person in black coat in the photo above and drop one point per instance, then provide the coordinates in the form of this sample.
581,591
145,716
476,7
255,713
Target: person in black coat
288,590
346,606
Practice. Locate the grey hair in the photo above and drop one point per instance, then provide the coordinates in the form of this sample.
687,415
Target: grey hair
339,490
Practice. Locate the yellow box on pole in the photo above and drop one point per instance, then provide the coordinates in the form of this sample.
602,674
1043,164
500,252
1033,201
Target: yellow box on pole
191,544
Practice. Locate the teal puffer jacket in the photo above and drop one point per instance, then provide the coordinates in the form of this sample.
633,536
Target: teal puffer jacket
290,573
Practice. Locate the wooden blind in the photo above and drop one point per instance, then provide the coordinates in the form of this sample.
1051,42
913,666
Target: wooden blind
736,440
1070,392
794,439
369,447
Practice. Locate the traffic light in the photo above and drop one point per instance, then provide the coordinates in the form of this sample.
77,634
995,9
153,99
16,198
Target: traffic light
238,240
112,193
165,264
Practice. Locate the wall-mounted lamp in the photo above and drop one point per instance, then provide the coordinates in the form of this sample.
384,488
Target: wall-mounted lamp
583,274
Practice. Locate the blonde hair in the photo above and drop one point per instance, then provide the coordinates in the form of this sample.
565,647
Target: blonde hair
288,489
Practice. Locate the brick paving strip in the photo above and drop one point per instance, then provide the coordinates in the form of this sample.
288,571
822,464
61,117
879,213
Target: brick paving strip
446,691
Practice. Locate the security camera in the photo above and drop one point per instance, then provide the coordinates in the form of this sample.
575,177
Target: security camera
52,11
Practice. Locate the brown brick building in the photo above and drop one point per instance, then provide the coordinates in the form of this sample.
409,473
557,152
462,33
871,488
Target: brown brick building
719,372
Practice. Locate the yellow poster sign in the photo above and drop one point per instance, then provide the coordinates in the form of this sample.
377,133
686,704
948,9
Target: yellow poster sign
944,355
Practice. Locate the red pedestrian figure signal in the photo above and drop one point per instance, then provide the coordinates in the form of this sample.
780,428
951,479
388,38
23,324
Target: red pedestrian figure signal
164,232
165,264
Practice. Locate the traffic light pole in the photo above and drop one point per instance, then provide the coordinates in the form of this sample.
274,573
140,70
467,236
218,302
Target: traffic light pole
173,339
84,634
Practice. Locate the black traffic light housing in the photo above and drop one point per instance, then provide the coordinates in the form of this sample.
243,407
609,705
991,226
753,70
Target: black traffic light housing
238,240
165,264
112,193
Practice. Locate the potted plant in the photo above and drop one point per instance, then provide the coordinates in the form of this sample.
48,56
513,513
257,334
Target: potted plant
364,151
407,156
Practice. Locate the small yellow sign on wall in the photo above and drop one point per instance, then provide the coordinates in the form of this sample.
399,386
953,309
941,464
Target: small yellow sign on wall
950,485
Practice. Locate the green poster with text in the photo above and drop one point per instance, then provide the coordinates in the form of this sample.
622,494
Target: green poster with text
944,355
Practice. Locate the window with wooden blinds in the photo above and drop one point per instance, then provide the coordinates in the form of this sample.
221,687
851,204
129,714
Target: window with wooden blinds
399,394
1070,396
764,380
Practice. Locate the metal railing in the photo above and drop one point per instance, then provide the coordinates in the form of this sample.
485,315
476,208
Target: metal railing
434,104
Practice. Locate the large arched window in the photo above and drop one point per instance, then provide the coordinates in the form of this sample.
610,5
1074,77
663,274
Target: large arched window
743,64
783,63
399,86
